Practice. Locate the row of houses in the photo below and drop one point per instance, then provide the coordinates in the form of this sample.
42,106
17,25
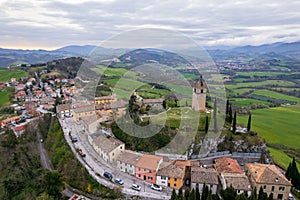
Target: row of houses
225,172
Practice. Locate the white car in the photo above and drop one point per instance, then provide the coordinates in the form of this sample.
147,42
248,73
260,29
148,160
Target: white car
156,187
136,187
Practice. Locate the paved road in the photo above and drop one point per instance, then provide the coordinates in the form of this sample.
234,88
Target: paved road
94,163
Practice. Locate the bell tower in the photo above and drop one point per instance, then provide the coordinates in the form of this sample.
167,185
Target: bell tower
199,95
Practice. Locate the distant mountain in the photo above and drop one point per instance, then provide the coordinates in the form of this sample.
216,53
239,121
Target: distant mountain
278,50
76,49
143,56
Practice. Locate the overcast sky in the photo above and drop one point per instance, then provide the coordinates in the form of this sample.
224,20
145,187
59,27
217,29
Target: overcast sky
50,24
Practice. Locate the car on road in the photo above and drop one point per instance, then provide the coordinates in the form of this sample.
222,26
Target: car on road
136,187
108,175
74,139
119,181
156,187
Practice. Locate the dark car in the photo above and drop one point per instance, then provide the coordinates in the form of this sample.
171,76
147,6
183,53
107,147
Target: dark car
108,175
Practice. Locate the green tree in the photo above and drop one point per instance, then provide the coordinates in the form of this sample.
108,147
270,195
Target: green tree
241,197
197,192
230,114
53,183
234,123
187,194
228,194
215,116
180,194
204,194
174,195
270,196
249,123
193,194
253,195
288,172
44,196
295,176
227,107
262,195
206,124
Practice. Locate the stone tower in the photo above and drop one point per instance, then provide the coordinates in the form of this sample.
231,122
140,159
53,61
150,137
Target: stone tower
199,95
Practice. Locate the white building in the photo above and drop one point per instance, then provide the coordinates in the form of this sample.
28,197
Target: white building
126,161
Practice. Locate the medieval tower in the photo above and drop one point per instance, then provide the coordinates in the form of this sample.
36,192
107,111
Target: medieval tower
199,95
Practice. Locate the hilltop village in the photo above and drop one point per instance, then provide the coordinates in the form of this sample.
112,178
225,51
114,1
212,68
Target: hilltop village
244,172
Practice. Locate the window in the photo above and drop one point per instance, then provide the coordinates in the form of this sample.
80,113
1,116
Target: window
139,169
150,178
125,164
201,91
113,154
150,171
265,187
281,188
280,196
121,147
139,175
175,179
144,169
238,191
273,188
174,184
163,182
163,178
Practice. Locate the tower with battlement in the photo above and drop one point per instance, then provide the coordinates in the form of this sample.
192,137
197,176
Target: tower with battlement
199,95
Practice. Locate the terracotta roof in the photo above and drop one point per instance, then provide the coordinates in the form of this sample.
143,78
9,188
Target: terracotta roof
268,174
129,157
110,97
19,128
183,163
172,171
237,181
204,175
149,161
227,165
86,108
107,144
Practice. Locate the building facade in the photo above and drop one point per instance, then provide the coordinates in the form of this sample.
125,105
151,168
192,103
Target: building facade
126,161
270,179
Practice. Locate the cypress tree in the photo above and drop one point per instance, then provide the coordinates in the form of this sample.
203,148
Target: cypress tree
193,194
180,194
295,178
204,192
288,172
187,194
197,192
234,123
227,107
270,196
262,195
174,195
215,116
249,123
253,194
230,114
206,125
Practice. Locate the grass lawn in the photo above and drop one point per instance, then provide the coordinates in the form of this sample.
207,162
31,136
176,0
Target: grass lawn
241,91
6,75
247,101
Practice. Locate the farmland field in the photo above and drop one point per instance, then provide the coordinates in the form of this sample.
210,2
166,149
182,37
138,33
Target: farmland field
6,75
4,97
276,95
252,74
247,101
280,158
262,83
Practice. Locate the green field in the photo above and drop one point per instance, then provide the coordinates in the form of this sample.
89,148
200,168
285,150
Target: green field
6,75
262,83
252,74
247,101
276,95
280,158
4,97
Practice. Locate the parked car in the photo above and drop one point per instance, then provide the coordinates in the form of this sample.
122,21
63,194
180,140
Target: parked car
74,139
156,187
136,187
119,181
108,175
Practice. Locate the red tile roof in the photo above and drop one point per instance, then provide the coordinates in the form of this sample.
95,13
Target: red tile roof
227,165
